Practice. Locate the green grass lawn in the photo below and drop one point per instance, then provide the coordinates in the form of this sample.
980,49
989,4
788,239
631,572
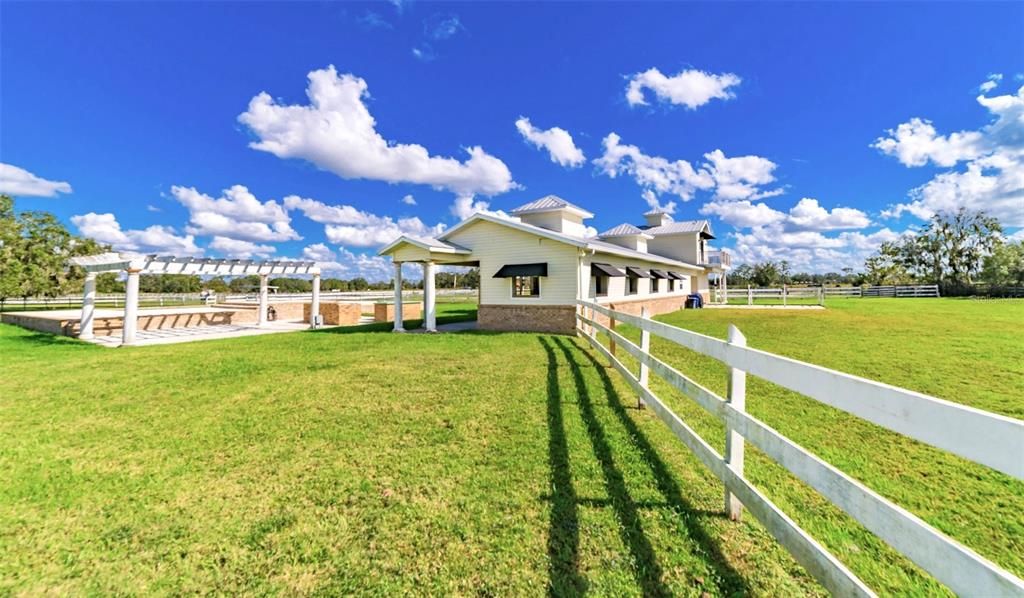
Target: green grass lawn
353,460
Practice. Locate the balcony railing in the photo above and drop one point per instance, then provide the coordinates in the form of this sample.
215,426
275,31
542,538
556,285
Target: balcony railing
719,258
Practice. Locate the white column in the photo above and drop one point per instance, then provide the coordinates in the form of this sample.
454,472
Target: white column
88,307
314,305
725,288
261,320
131,308
429,315
398,297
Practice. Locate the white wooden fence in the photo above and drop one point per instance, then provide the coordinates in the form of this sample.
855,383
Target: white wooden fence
990,439
105,300
785,293
914,290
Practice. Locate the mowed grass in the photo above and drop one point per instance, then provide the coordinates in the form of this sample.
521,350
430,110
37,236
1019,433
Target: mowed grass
963,350
359,461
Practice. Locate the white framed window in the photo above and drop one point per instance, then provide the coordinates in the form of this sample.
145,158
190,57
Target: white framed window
526,287
600,286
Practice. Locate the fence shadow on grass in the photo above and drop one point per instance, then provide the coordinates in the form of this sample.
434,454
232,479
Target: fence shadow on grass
564,529
731,582
646,569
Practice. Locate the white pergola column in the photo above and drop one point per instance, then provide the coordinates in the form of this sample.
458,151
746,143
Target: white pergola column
131,308
314,305
429,300
261,320
725,288
398,297
88,307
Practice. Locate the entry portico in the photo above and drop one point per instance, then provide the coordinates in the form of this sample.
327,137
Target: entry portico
429,253
152,264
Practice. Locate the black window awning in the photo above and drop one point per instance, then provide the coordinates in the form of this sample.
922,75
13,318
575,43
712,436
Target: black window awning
659,273
605,270
637,272
510,270
677,276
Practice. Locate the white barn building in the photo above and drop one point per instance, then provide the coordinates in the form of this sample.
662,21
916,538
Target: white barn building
534,266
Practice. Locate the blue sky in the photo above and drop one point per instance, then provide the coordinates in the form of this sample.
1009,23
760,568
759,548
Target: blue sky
143,124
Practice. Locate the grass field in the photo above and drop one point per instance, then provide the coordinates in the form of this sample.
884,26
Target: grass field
358,461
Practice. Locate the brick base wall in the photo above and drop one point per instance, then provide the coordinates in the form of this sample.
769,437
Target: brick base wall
558,319
655,306
385,312
336,313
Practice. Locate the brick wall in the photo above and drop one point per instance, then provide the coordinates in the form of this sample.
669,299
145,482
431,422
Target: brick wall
559,319
385,312
655,306
336,313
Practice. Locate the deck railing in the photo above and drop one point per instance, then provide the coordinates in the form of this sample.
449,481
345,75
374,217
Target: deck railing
987,438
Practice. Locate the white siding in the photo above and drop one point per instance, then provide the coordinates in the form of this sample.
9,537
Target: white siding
684,247
495,246
410,253
557,221
617,284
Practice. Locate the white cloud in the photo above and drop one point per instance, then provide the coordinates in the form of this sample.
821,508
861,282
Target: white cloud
992,179
235,215
557,141
409,200
653,173
691,88
808,251
152,208
154,239
739,178
439,26
655,203
743,214
991,82
236,249
807,214
346,225
916,142
336,132
19,182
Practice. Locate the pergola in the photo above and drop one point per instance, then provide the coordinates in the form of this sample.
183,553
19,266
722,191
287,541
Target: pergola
430,253
153,264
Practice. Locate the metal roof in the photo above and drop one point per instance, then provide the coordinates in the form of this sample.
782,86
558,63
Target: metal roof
624,230
682,226
550,203
590,243
428,243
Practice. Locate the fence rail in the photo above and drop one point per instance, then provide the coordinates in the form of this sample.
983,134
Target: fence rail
784,293
986,438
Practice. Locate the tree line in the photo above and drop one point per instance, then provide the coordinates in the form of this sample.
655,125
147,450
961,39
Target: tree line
957,251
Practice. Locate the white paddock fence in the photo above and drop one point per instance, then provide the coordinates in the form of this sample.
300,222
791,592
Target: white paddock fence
818,294
987,438
105,300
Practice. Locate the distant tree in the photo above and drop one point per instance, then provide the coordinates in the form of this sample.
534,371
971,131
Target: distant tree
1005,265
107,282
291,285
887,266
765,274
244,284
216,284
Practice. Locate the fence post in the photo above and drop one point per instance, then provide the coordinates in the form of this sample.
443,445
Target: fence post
750,295
821,295
645,347
611,339
783,295
737,397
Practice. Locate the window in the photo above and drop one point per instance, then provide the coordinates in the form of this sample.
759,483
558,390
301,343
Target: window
671,285
632,282
526,286
600,286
